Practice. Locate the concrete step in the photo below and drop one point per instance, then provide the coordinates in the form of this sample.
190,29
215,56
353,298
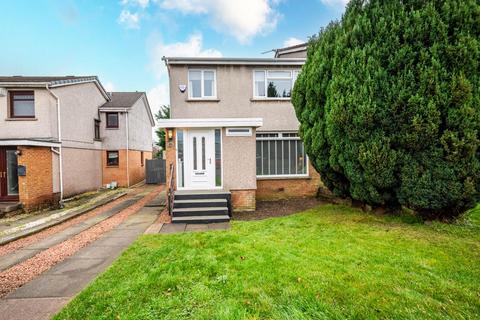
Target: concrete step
201,194
201,219
200,203
6,207
202,211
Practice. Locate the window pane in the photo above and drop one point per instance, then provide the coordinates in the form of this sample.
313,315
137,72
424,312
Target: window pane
112,158
218,158
292,154
265,153
195,84
12,173
300,158
203,153
259,83
286,158
259,158
180,158
194,153
279,88
112,120
208,83
279,157
271,157
23,108
279,74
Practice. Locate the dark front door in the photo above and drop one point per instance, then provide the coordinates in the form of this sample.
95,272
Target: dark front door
8,174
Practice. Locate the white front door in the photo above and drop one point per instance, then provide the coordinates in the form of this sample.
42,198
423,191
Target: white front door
200,159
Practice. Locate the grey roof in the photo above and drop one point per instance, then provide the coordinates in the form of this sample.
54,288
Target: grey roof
51,81
48,79
123,99
290,49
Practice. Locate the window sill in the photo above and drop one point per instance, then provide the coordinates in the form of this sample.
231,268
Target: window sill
112,128
21,119
117,166
97,140
299,177
270,99
203,100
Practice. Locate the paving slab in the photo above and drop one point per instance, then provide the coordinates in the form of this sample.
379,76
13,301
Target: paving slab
14,258
53,285
83,265
173,228
219,226
36,308
92,251
196,227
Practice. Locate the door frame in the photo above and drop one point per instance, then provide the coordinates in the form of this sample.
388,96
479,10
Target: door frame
185,134
3,166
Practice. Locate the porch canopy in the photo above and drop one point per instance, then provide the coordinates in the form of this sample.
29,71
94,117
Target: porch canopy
210,123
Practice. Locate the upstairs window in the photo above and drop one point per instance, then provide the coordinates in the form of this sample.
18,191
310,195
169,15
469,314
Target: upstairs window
202,84
112,120
274,84
22,104
96,129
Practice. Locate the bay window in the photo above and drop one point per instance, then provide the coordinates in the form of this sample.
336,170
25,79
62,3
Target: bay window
280,154
274,83
201,84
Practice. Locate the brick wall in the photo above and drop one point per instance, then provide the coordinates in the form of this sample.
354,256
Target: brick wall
170,158
135,168
117,173
243,200
273,189
36,187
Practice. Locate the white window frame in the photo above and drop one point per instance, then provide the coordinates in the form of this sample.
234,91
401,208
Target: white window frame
202,89
231,133
282,138
293,76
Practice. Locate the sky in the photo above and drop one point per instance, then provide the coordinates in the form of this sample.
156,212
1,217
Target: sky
122,41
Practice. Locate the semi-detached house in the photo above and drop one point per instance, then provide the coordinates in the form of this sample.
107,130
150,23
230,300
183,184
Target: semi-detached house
233,134
61,136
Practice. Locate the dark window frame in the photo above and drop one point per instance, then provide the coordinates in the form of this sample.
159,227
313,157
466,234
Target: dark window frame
96,129
118,158
108,124
11,96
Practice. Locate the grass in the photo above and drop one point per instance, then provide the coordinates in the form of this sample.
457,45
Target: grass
331,262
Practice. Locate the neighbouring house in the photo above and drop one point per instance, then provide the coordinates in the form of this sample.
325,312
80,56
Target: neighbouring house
61,136
233,134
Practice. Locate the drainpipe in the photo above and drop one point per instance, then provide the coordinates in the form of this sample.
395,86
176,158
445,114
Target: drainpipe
59,152
128,138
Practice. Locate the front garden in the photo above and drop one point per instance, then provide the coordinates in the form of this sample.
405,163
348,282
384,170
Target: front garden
329,262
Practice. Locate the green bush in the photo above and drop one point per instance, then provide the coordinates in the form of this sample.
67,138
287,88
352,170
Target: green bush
389,104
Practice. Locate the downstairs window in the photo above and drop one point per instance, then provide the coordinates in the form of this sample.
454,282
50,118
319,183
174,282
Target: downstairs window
280,154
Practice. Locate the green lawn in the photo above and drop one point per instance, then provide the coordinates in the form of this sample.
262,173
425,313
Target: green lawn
329,262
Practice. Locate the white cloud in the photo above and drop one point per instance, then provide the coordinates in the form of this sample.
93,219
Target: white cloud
193,47
109,86
158,96
140,3
129,20
292,42
335,3
244,19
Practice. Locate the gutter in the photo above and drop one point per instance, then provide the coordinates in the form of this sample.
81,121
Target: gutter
59,152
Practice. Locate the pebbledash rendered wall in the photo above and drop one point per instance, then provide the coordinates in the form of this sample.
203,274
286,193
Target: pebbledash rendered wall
81,153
